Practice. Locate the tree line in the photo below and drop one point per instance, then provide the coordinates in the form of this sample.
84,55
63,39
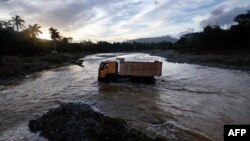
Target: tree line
215,38
16,40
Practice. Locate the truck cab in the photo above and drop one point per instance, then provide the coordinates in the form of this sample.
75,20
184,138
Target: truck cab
107,68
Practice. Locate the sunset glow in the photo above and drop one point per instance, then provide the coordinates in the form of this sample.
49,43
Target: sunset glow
115,20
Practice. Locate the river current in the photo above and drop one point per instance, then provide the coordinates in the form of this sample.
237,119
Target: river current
188,102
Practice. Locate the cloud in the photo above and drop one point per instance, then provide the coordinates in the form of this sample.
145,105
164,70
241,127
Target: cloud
118,20
222,16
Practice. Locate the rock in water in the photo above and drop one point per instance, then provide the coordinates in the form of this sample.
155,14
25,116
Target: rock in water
79,122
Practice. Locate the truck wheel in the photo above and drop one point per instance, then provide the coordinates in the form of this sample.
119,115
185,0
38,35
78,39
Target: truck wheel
111,78
145,80
101,79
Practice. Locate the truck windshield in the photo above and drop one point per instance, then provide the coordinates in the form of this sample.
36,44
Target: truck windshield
103,66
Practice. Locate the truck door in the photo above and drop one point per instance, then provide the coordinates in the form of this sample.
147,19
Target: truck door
103,69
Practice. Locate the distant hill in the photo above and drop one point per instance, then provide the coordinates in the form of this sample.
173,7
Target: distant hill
154,39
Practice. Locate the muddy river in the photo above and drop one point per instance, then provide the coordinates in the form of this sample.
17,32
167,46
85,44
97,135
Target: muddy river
188,100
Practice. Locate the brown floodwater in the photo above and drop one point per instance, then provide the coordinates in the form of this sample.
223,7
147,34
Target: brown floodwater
189,102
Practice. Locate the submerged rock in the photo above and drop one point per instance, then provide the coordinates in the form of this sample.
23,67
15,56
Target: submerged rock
79,122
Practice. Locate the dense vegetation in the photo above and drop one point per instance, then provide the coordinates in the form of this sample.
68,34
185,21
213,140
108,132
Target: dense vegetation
26,42
237,37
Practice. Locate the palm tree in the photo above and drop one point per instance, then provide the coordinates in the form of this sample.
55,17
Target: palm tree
33,32
55,35
18,22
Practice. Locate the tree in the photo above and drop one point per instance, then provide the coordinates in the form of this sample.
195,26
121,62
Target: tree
55,35
1,24
33,32
67,39
214,28
17,22
70,39
6,25
243,18
208,28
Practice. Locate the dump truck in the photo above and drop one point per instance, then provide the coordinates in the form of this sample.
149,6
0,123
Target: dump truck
120,69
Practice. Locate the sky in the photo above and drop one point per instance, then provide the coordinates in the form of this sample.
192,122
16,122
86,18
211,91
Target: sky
121,20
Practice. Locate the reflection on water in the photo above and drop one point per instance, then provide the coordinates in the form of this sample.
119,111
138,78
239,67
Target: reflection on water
189,102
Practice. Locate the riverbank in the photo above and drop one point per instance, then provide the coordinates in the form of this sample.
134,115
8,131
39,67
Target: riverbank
17,66
225,60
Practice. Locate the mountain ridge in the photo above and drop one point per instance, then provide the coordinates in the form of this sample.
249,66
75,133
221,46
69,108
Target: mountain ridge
154,39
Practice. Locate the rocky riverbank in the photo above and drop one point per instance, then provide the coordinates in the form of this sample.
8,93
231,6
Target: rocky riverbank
226,60
79,122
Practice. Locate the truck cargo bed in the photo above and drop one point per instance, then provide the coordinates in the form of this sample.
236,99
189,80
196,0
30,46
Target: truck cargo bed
140,68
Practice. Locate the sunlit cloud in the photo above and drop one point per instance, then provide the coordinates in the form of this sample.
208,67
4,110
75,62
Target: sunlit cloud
116,20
